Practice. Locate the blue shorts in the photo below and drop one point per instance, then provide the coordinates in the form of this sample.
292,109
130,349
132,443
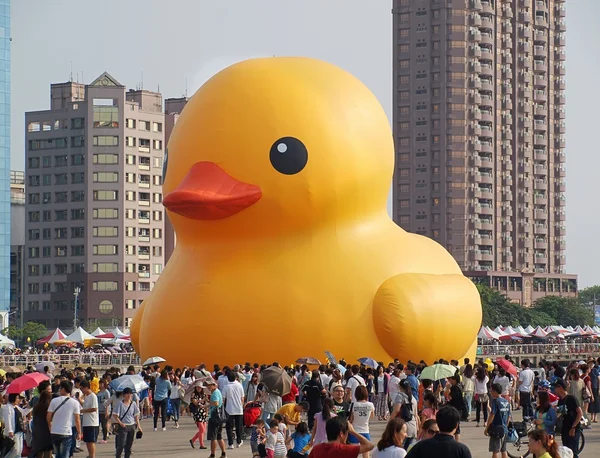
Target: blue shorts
354,440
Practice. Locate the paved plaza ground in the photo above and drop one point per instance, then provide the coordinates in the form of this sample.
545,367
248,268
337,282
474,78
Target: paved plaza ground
175,442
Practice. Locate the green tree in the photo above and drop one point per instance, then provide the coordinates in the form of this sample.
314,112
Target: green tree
34,331
590,295
566,311
498,310
12,332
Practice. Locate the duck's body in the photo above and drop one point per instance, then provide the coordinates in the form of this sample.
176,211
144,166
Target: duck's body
289,275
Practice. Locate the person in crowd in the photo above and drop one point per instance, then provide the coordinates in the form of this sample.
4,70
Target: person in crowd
570,414
259,437
380,383
594,407
412,379
525,386
337,438
64,414
429,428
42,441
103,397
442,444
481,381
90,421
12,419
318,434
361,413
233,397
160,401
314,393
215,419
341,407
542,445
545,413
251,388
198,404
127,417
457,401
292,412
175,399
275,444
497,424
430,407
468,387
301,439
392,440
354,381
406,408
293,394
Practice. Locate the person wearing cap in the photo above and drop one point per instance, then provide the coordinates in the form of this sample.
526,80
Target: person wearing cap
127,416
570,413
215,419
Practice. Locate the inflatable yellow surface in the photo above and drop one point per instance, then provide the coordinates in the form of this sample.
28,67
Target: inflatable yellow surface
276,180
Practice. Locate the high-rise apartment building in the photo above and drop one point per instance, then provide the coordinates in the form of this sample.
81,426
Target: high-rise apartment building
95,220
479,131
4,161
17,245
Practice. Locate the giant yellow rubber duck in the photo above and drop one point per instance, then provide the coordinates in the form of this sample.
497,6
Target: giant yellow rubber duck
276,180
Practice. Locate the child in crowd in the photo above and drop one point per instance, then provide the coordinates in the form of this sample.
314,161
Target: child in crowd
275,445
301,440
430,407
257,439
283,429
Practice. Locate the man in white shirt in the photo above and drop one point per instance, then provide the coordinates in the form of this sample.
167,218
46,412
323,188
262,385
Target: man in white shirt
233,396
325,378
91,423
525,386
353,382
63,413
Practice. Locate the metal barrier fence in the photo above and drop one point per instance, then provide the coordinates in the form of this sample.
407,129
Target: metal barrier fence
539,349
72,359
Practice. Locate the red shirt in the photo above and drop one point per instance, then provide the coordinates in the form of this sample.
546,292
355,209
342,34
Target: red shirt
291,396
335,450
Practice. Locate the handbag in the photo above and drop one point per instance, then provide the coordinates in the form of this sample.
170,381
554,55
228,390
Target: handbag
496,431
7,445
512,436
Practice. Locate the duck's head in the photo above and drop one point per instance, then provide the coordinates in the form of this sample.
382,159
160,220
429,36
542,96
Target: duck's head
277,145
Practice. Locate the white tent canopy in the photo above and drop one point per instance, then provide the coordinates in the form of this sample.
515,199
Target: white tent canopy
117,332
79,336
6,342
529,329
97,332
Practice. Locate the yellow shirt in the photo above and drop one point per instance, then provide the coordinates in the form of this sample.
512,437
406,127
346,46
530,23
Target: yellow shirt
546,455
289,411
95,385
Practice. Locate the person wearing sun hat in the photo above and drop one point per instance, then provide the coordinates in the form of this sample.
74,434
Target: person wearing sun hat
215,418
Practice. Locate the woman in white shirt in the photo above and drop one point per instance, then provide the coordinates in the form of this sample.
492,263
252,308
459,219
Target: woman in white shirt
361,412
392,440
12,419
481,394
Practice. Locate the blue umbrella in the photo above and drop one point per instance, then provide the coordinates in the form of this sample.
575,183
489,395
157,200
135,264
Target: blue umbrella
135,382
332,359
369,362
342,369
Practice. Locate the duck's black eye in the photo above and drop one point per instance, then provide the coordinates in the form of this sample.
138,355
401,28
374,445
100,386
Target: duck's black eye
165,163
288,155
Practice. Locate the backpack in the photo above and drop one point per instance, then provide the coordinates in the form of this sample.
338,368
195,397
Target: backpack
406,411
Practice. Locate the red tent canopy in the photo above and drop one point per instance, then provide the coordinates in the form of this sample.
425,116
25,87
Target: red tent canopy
52,337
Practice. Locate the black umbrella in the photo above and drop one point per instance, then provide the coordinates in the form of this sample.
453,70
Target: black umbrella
276,381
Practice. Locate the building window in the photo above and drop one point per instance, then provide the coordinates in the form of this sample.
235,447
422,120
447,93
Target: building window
106,195
130,304
157,269
77,232
157,251
404,173
157,180
404,33
106,177
105,286
60,179
105,231
144,125
106,249
405,63
156,127
61,161
130,123
51,143
77,268
78,141
60,215
157,145
61,197
46,216
46,234
129,286
33,180
106,116
105,213
77,123
77,196
106,267
33,270
34,234
106,140
34,198
77,250
77,178
157,215
105,307
130,159
104,158
404,110
46,252
60,233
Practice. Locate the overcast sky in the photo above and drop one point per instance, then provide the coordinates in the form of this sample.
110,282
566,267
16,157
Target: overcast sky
171,42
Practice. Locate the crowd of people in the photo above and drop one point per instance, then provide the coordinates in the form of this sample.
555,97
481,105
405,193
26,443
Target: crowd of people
326,413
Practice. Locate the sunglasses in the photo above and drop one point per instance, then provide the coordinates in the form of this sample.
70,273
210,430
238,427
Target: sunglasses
433,432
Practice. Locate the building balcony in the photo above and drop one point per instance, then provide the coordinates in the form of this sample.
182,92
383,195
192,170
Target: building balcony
561,25
540,154
487,22
539,169
559,84
486,70
559,40
540,110
540,229
525,137
561,231
475,129
508,166
539,36
540,140
474,36
560,128
540,214
560,157
475,82
526,92
475,114
144,149
560,10
144,220
486,116
487,224
486,85
560,186
559,98
559,54
540,125
540,199
476,5
486,147
539,65
485,209
560,201
541,6
527,243
559,142
507,12
540,96
485,177
143,238
143,167
541,185
475,51
541,21
507,104
525,46
560,69
525,3
475,19
541,258
560,172
525,17
507,212
487,54
486,193
507,57
560,244
540,243
560,216
525,32
476,160
488,7
506,27
507,226
540,80
487,38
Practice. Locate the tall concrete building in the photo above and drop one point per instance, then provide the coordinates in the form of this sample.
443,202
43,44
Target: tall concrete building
95,220
4,161
17,246
479,131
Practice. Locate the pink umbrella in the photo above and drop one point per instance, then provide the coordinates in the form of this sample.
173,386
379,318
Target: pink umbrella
511,337
26,382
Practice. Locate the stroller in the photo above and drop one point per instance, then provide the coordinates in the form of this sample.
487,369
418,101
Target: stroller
252,412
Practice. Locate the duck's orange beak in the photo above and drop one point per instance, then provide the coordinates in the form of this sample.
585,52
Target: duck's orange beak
208,193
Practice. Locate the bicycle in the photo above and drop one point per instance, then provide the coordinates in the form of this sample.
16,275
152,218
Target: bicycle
520,448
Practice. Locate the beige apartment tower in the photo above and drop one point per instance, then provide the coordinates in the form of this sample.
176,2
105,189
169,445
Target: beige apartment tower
94,214
479,124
